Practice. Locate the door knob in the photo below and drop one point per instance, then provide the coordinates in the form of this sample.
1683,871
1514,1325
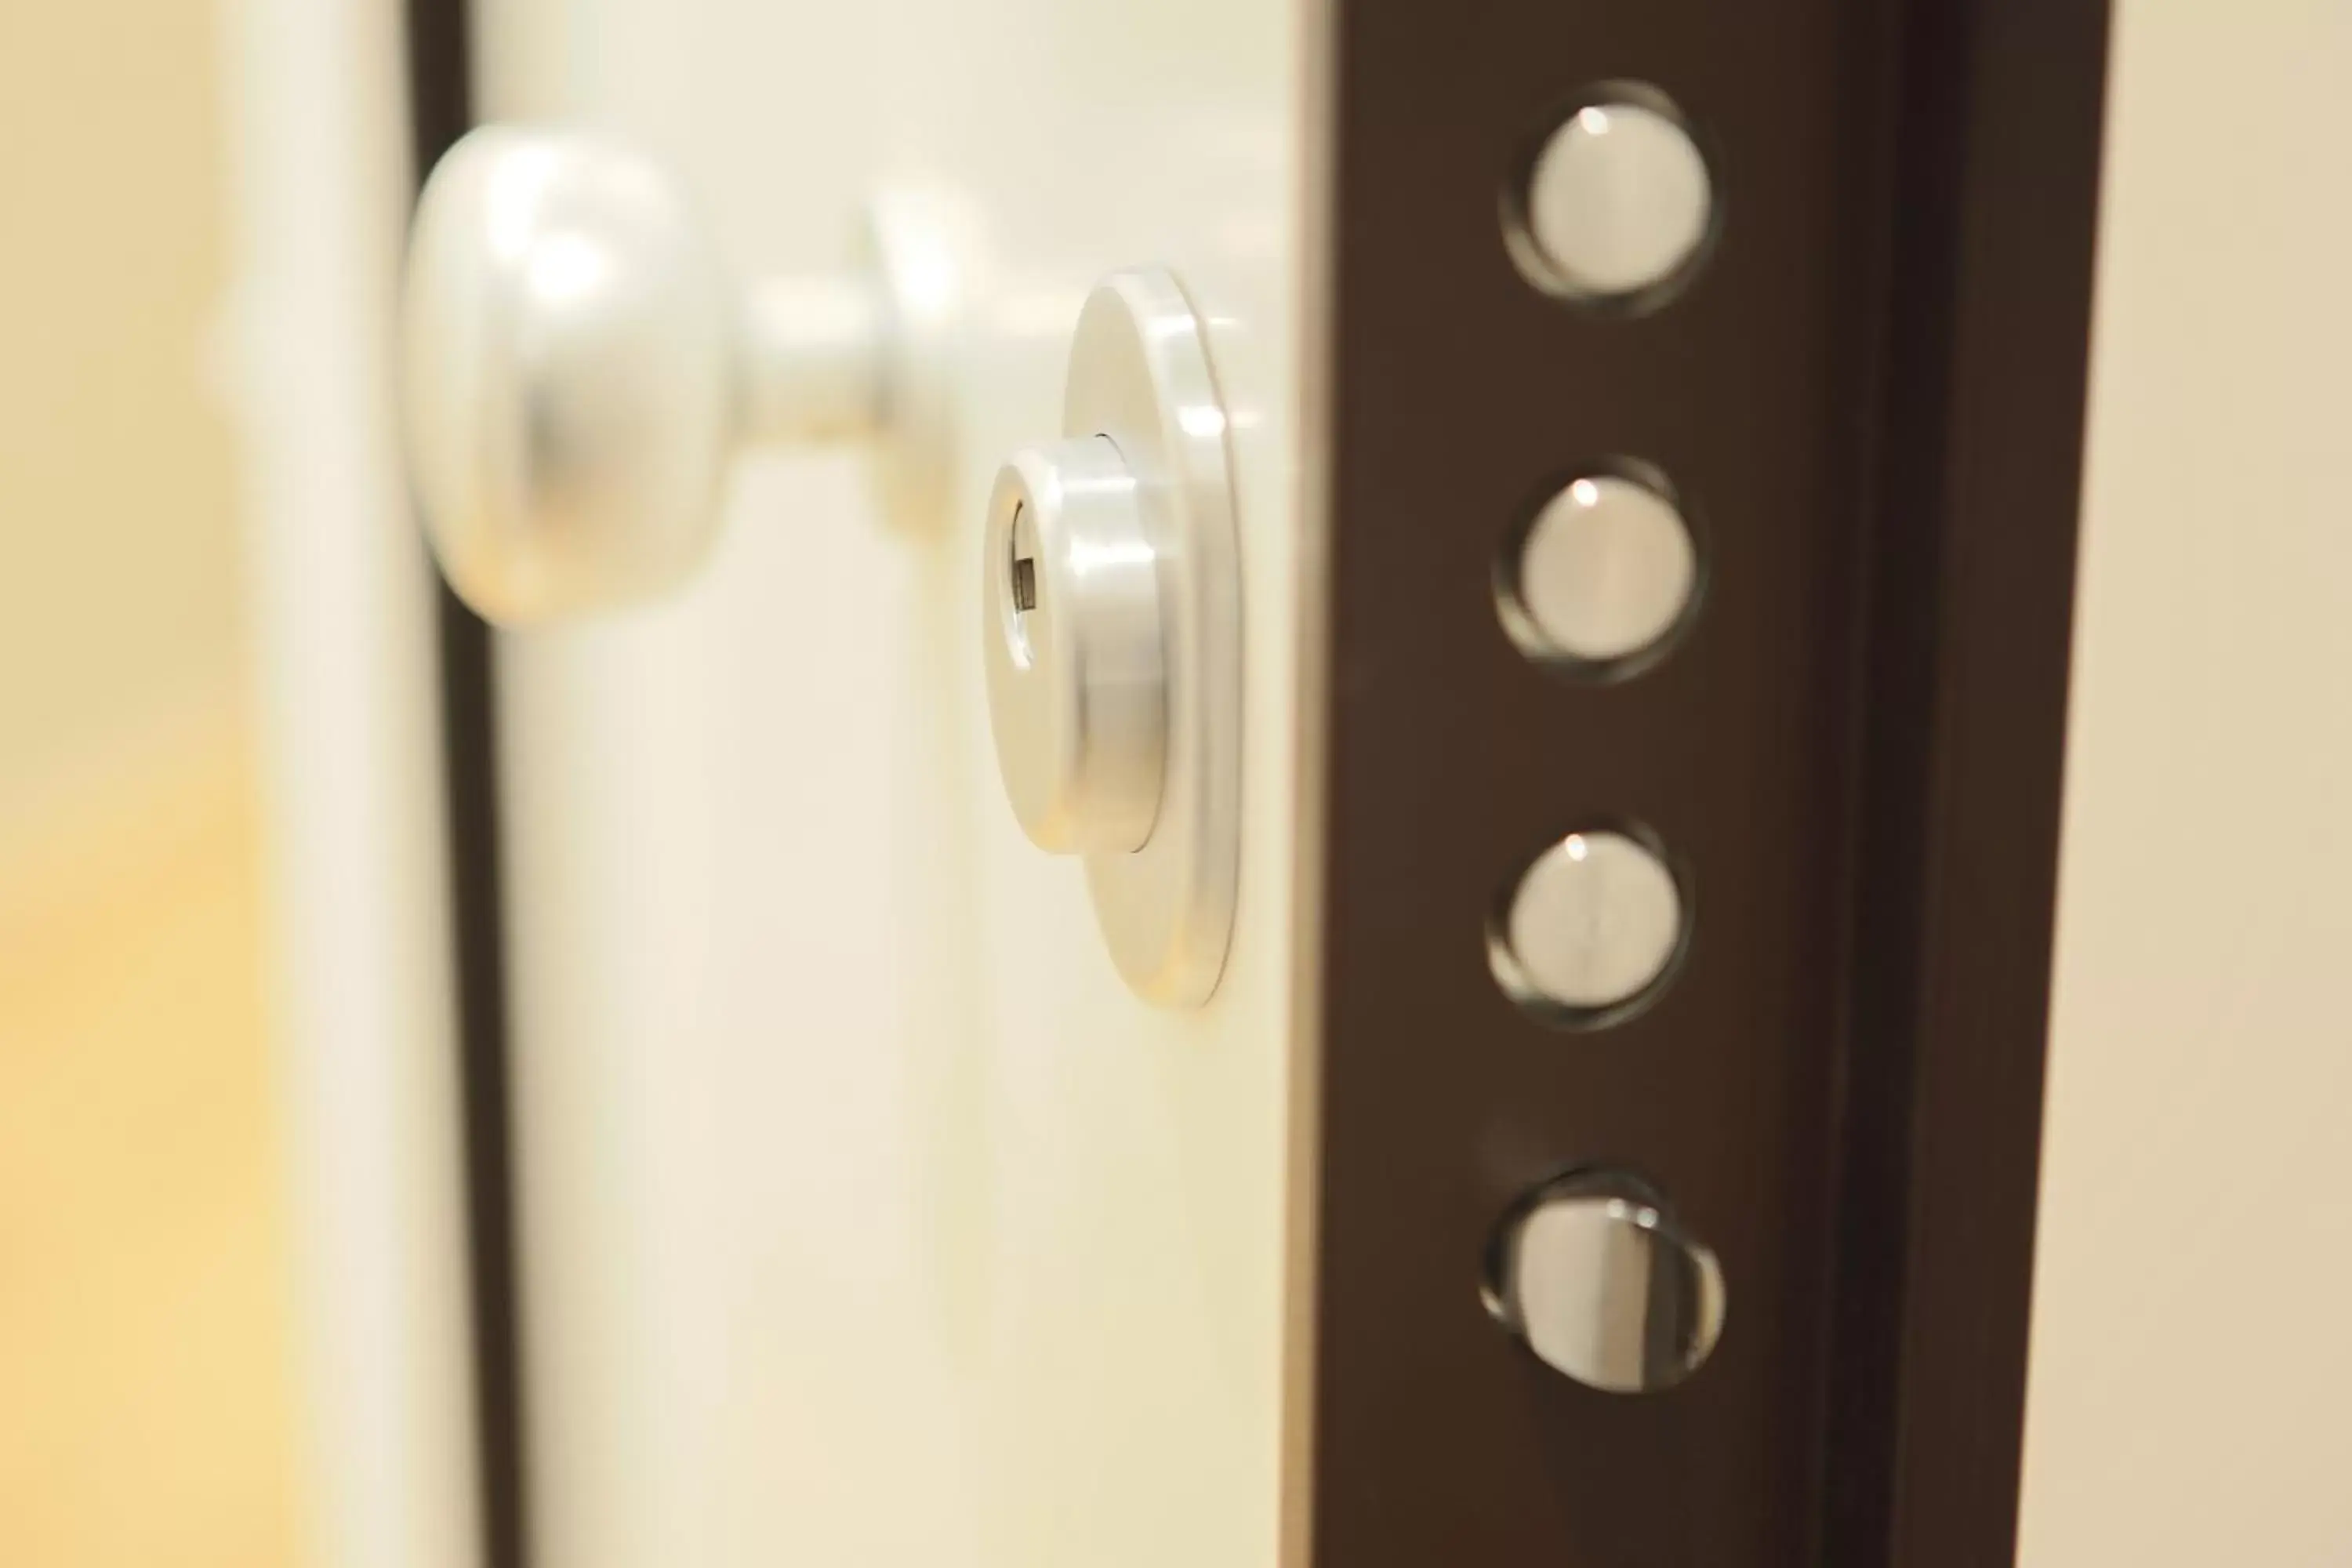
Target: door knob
579,369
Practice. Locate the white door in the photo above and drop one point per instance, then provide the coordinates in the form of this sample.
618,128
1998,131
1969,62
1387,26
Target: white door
867,1217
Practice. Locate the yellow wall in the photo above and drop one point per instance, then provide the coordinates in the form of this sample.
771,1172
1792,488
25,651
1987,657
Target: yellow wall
143,1397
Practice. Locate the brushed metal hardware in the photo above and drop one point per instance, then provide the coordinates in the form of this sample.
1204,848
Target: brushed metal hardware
1616,203
1592,925
1598,1279
1110,626
579,370
1603,575
1077,692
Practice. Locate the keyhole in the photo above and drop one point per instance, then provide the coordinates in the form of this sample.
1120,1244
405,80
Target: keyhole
1024,560
1023,580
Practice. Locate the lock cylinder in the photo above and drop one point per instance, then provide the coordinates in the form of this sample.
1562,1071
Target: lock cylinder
1077,680
1110,628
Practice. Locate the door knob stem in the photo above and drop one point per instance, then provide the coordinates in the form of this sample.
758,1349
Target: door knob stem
815,359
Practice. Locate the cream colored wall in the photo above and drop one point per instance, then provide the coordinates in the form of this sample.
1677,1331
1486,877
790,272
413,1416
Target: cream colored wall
2190,1378
118,508
144,1401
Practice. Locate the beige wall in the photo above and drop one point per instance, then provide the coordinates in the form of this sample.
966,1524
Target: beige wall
143,1401
117,509
2190,1393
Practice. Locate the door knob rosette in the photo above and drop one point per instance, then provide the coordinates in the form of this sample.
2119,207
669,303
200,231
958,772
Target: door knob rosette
1111,632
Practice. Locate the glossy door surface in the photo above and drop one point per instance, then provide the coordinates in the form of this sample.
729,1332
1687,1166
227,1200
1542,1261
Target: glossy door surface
866,1217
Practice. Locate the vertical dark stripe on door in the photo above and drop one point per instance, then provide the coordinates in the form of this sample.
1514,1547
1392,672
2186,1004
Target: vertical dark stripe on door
1871,397
440,107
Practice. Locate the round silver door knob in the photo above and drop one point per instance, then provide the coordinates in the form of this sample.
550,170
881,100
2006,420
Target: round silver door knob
1602,1283
578,369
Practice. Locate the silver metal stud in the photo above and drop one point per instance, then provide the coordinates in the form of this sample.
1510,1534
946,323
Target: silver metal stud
1598,1279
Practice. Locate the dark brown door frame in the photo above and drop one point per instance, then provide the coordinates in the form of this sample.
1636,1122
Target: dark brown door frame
1954,911
1874,396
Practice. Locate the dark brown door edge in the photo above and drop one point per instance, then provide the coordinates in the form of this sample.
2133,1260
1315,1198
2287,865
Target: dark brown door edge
440,108
1870,396
1974,538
